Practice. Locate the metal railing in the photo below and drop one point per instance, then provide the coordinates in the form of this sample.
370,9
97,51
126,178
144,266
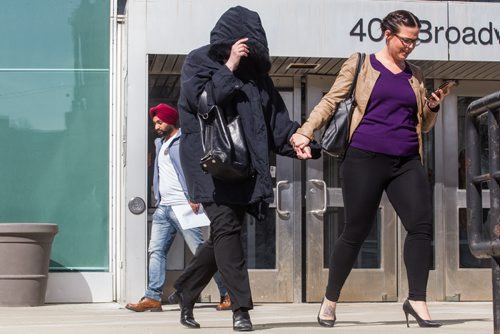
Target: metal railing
484,245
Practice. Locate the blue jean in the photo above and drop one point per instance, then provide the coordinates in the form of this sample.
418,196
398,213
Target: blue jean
163,231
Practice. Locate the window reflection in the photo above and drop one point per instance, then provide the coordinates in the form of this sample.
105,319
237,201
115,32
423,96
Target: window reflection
429,162
331,171
38,101
428,145
54,123
259,241
369,255
462,105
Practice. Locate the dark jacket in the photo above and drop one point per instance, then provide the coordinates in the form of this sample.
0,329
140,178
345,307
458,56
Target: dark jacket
250,92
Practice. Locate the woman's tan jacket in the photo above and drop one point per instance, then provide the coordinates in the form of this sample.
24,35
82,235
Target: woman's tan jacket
364,86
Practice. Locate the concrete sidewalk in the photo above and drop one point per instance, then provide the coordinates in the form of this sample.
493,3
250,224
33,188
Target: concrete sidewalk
113,318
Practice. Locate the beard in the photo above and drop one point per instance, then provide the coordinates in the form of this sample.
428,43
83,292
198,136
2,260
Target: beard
166,132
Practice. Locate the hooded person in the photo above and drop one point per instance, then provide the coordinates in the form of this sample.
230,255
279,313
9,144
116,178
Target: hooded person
234,71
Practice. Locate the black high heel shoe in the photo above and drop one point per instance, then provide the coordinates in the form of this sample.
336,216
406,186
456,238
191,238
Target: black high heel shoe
324,322
408,309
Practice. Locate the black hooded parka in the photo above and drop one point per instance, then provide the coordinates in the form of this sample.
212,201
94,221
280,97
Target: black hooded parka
250,92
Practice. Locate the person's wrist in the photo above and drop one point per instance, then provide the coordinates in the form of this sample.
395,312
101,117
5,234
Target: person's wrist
432,106
303,135
231,65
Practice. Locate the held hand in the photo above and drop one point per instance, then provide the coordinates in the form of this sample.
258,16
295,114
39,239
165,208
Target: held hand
300,145
194,206
238,50
299,141
303,153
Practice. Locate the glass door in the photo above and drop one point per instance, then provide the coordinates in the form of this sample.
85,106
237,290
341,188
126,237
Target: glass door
272,246
375,269
462,269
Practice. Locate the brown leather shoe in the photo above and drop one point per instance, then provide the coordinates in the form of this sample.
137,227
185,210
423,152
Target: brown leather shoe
145,304
225,304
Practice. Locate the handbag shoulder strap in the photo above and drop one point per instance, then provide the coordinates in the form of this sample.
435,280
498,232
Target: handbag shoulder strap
203,103
361,60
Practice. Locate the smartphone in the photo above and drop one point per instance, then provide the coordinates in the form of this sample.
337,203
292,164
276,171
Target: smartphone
446,85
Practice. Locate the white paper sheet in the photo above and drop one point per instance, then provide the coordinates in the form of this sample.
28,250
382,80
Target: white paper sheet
188,219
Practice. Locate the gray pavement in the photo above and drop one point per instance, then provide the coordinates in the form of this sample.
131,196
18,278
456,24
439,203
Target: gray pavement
100,318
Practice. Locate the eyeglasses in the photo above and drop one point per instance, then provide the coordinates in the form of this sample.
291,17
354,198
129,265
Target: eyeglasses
408,42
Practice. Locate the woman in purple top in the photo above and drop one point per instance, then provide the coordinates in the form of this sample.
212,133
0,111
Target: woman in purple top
385,154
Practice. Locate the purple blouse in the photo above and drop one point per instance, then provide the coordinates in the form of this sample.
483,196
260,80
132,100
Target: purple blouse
389,123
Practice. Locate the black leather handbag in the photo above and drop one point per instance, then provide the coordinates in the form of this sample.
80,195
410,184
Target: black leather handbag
226,155
335,138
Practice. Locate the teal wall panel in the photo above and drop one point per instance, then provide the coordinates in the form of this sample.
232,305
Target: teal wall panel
54,33
54,125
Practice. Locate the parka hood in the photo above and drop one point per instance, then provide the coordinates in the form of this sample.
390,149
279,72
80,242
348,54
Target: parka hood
237,23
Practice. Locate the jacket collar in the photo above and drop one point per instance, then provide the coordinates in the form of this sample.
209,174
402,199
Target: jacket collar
174,139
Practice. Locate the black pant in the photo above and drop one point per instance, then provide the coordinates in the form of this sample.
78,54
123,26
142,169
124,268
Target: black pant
222,251
365,175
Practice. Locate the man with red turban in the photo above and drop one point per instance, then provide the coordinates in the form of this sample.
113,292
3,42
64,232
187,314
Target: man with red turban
169,189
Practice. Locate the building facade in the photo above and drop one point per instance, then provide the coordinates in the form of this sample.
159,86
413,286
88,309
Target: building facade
76,139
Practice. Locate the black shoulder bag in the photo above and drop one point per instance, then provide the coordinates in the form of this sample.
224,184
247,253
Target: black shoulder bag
335,138
225,153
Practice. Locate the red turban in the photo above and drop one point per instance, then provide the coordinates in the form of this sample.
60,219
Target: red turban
165,112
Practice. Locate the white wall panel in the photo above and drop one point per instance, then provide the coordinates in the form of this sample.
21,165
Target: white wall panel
321,28
481,24
133,276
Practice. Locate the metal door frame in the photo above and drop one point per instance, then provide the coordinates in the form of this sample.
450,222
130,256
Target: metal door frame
458,281
284,282
378,284
132,232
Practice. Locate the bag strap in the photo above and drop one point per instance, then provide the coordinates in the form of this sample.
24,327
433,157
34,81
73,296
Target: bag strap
361,60
203,105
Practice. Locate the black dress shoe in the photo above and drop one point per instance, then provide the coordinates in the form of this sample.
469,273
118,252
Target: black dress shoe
241,322
187,317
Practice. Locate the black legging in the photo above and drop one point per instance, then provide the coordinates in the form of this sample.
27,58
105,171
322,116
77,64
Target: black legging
365,175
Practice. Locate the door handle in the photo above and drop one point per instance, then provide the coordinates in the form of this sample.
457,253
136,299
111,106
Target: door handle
283,213
325,191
